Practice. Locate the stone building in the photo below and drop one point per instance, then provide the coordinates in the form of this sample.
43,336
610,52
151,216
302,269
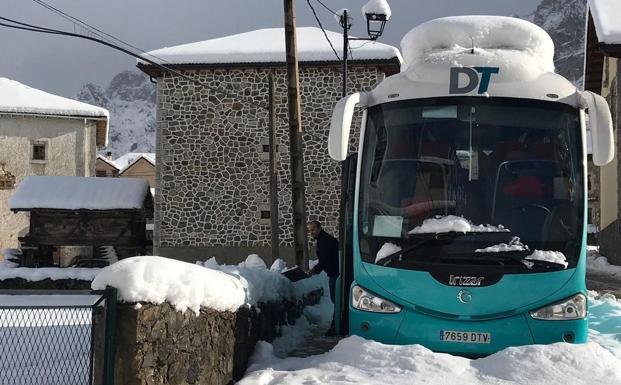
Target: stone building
43,134
137,165
602,75
212,183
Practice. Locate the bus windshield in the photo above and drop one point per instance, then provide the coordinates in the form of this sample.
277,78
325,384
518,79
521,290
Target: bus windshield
491,171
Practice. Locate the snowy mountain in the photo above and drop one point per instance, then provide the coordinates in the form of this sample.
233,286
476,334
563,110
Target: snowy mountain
564,20
130,98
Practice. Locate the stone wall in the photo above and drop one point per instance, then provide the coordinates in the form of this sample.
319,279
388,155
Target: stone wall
212,183
157,345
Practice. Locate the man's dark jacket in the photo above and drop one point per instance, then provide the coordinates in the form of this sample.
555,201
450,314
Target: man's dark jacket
327,254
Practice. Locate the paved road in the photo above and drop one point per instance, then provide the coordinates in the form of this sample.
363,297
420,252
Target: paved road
604,283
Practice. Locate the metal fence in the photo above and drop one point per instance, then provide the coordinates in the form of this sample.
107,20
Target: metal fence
57,337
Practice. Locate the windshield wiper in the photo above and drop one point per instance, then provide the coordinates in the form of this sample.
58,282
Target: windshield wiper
435,236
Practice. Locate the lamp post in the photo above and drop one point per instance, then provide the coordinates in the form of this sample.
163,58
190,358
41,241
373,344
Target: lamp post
377,13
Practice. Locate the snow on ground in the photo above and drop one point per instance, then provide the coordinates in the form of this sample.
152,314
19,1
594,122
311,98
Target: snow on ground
605,322
8,271
358,361
454,223
597,263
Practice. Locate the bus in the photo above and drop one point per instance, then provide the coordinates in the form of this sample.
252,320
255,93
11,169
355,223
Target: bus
463,210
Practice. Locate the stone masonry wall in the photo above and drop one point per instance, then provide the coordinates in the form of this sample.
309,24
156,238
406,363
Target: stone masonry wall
157,345
212,174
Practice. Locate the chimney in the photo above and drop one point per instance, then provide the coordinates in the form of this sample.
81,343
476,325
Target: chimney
109,155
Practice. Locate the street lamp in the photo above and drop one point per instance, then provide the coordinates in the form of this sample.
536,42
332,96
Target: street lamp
376,12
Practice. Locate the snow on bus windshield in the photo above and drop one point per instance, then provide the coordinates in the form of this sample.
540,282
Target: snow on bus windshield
473,165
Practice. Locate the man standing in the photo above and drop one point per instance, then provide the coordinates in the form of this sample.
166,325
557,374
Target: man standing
328,256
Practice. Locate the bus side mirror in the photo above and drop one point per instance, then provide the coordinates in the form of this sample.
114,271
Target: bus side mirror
340,125
600,121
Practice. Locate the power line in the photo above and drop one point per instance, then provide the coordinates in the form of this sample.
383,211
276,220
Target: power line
324,31
34,28
326,7
93,30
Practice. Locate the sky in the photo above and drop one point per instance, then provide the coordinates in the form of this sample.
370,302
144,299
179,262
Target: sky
62,65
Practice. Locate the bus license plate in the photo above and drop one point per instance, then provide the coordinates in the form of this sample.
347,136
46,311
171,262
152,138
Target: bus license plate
467,337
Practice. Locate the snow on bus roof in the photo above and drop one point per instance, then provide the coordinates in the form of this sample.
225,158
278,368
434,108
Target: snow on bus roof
606,14
18,98
268,46
479,40
79,193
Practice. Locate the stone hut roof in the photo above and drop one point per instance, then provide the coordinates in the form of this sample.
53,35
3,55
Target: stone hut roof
266,47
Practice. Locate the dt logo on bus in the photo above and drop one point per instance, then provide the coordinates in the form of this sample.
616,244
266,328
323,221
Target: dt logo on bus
472,78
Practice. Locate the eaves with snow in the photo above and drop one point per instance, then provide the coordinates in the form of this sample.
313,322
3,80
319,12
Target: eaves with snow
19,99
267,46
606,15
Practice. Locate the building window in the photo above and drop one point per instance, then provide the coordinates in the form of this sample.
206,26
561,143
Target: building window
101,173
39,151
265,214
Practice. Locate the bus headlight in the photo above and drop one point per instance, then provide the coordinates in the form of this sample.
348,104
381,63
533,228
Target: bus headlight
366,301
568,309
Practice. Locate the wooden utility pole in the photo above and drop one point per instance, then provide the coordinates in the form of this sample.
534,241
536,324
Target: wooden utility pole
296,151
273,172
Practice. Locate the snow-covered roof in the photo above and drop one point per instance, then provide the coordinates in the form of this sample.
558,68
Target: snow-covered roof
606,15
268,46
126,161
79,193
107,161
18,98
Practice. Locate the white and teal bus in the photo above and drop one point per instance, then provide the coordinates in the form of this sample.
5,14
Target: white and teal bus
464,209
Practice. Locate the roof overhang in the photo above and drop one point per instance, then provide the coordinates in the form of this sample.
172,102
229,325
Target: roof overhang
388,66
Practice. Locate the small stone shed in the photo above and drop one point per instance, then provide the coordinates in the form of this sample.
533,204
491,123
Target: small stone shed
603,76
76,216
212,181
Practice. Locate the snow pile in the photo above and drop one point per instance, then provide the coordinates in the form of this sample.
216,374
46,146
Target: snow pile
599,264
53,273
548,256
18,98
606,14
604,321
514,245
521,48
454,223
259,283
183,285
358,361
268,46
387,249
378,7
75,193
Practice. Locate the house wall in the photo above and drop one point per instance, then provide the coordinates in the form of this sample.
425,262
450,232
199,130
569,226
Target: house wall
610,235
70,151
142,169
212,172
103,167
